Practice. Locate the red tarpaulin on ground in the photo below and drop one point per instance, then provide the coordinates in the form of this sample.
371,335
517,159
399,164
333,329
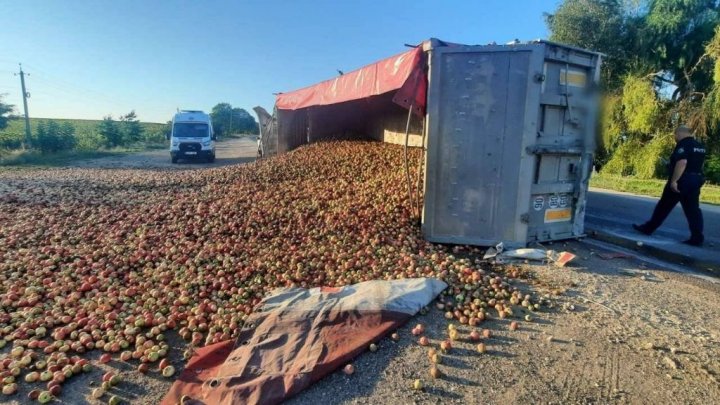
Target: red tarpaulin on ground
297,337
404,72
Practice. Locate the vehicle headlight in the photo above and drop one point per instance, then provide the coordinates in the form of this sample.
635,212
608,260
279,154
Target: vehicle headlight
206,143
175,143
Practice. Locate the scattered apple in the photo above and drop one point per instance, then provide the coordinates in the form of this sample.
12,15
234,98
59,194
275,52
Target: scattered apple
99,273
168,371
96,393
45,396
9,389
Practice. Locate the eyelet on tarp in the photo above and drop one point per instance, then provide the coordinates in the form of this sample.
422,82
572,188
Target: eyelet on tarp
214,383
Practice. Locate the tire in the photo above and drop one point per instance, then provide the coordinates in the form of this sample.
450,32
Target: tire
173,159
211,159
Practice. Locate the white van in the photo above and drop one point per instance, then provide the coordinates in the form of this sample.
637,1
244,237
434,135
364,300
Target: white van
192,136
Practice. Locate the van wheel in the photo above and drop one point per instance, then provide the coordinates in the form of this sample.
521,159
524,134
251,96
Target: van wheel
211,159
173,159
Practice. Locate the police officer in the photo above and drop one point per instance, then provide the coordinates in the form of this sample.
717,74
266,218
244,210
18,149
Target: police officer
683,186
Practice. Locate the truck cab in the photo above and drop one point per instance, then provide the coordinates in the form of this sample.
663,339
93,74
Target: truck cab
192,136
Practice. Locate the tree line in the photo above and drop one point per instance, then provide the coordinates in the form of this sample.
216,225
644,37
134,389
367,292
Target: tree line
661,69
52,136
229,120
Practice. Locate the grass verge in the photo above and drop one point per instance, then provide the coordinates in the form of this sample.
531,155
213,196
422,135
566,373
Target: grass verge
28,158
710,193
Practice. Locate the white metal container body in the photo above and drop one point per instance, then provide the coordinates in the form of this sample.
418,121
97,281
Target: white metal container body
510,138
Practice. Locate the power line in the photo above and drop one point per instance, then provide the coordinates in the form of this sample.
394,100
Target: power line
72,89
73,86
73,92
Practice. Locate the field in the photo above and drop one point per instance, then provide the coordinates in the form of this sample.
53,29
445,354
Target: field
710,193
86,133
16,127
134,263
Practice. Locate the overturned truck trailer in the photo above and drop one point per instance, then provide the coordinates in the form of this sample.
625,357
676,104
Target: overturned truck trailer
508,133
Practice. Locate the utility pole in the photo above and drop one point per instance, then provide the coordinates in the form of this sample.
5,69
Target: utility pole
25,95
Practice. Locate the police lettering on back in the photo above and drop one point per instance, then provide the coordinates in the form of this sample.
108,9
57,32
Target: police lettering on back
693,151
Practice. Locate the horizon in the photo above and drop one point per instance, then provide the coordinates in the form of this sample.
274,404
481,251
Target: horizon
83,64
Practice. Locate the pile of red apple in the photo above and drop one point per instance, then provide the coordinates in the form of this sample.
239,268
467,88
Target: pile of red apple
112,260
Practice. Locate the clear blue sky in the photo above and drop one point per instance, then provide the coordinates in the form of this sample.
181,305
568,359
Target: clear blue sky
87,59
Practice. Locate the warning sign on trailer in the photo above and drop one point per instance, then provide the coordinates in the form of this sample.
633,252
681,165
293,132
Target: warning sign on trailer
558,215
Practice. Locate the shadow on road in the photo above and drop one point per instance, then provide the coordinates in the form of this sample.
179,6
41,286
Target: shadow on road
228,152
219,162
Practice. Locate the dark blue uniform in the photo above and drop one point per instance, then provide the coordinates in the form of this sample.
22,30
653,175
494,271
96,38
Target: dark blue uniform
689,186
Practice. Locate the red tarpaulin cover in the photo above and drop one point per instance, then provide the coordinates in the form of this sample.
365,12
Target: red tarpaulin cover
403,72
297,337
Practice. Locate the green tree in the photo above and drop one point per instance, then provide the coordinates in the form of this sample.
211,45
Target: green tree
52,137
67,138
598,25
41,132
132,131
221,118
108,129
641,107
243,122
6,111
227,120
707,120
672,40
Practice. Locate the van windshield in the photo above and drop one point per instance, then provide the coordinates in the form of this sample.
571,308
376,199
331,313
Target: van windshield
190,130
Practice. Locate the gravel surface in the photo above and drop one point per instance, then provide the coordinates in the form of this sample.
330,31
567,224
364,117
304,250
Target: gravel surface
227,152
638,334
596,353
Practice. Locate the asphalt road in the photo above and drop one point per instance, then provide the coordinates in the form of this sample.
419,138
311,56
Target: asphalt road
618,209
228,151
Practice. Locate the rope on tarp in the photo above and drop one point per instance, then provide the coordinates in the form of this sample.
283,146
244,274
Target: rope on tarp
420,173
407,163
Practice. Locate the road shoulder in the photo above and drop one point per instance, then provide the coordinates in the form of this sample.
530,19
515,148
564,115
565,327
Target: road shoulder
704,258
